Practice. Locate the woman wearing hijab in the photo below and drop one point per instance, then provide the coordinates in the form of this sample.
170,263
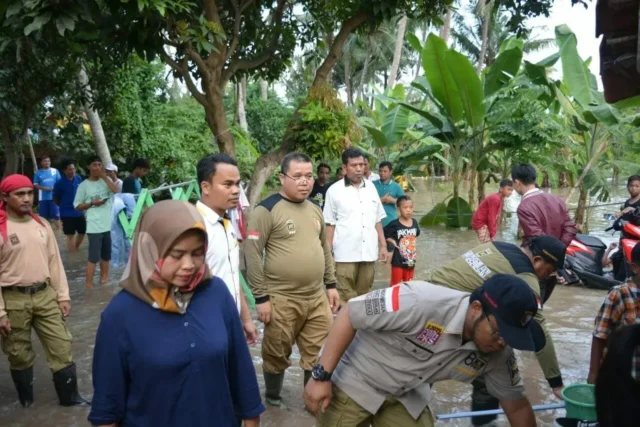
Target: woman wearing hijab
170,349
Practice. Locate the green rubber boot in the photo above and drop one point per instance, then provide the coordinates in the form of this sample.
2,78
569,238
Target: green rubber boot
273,386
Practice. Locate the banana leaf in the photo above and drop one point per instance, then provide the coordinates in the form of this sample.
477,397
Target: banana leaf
436,216
458,213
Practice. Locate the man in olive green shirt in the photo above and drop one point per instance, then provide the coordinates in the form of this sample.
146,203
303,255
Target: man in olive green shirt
542,256
289,284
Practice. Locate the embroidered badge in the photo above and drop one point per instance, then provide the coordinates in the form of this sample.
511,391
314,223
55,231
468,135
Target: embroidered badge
291,226
382,301
253,235
475,362
476,264
512,367
14,239
431,333
484,253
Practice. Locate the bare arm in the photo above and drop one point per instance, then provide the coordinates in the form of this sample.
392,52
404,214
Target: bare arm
597,350
519,412
340,336
330,231
112,185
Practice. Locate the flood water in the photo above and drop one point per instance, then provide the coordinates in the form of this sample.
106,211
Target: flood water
570,313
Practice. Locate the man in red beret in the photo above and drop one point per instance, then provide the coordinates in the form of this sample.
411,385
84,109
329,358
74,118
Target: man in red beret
34,293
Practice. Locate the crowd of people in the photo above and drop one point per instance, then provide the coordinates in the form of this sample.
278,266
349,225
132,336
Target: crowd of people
172,346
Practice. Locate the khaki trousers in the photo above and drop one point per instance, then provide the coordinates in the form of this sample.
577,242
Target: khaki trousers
302,321
354,279
344,412
40,311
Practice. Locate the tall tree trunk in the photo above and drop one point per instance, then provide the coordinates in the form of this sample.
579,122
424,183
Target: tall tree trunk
267,163
472,187
446,26
481,187
346,59
425,33
264,90
580,218
11,148
99,140
486,11
397,53
236,105
242,104
365,71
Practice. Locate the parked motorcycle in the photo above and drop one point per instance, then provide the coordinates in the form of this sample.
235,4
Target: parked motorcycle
583,264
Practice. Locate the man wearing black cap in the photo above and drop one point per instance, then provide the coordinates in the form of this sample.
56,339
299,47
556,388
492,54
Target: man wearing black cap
536,261
385,348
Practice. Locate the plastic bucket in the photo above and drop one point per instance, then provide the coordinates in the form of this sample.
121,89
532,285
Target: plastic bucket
581,401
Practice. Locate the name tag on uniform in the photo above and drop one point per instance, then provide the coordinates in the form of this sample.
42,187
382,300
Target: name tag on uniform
431,333
476,264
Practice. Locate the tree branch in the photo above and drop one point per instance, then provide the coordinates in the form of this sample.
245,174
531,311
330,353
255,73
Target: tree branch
349,26
247,64
183,70
195,56
236,30
211,11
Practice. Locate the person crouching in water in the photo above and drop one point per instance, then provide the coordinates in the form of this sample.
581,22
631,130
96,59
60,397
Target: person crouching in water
401,235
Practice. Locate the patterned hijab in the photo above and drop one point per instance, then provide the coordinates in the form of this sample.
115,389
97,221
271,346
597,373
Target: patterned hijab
156,232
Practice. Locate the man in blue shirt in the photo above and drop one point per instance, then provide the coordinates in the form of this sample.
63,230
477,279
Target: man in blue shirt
43,180
74,225
131,184
389,191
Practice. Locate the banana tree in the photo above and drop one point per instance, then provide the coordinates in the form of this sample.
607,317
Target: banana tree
457,101
595,125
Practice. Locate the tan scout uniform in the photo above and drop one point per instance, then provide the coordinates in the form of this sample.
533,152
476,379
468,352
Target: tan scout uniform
31,257
469,271
296,268
409,336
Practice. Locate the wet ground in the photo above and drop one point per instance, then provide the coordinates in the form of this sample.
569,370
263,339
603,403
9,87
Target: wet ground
570,314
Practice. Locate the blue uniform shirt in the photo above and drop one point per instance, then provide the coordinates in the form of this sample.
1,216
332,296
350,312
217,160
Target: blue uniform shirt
153,368
394,190
65,192
46,178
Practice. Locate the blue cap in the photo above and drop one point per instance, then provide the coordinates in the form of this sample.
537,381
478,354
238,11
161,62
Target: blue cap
512,302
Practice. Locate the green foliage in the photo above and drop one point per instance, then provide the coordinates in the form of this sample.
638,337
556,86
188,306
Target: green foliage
267,122
323,125
459,213
436,216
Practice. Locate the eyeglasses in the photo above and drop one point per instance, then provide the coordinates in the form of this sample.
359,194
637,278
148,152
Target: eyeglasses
300,179
495,334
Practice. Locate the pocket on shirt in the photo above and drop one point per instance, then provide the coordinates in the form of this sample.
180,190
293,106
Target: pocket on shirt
416,349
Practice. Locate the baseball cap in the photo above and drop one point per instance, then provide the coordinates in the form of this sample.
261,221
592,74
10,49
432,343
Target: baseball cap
111,167
549,248
513,304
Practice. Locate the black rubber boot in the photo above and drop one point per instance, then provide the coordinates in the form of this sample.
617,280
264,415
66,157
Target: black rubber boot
23,380
66,383
273,386
482,400
307,377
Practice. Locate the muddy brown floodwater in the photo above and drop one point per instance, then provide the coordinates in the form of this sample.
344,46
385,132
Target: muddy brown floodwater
570,313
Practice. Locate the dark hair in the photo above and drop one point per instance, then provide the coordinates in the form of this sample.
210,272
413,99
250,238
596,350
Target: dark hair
323,165
633,178
386,164
617,392
64,163
524,172
93,159
352,153
338,169
207,165
293,157
506,183
45,156
401,199
142,164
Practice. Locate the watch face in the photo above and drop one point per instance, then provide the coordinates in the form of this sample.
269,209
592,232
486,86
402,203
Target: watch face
317,373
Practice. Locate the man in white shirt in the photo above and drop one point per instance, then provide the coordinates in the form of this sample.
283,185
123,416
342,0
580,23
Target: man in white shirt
353,214
368,174
112,173
219,180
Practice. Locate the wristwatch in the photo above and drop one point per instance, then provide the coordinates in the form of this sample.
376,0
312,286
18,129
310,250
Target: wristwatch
319,374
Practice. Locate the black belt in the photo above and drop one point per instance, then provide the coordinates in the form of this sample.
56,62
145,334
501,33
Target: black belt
28,290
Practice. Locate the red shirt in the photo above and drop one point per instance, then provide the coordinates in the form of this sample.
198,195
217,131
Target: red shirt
487,214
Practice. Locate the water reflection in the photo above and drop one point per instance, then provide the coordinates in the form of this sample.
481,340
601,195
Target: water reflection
570,314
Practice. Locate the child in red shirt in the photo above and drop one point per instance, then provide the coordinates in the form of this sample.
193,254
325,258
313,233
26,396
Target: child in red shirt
401,235
485,219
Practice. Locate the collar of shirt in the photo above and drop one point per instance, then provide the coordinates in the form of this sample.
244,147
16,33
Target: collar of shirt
530,192
363,182
209,214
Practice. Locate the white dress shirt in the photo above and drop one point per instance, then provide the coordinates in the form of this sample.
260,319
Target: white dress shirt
373,177
223,251
354,211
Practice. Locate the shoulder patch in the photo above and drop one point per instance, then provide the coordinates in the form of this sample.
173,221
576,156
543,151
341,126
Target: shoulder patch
512,367
270,202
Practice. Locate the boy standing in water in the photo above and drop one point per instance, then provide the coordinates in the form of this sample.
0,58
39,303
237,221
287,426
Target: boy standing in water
401,234
620,307
485,220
